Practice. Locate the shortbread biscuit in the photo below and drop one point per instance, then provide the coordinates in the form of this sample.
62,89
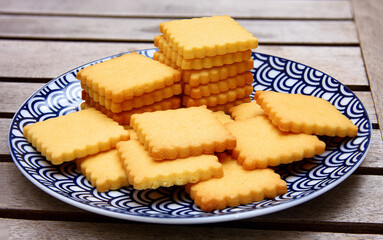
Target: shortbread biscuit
130,75
144,172
103,170
220,98
136,102
307,114
207,36
74,135
223,117
208,89
206,75
199,63
124,117
237,186
215,74
181,133
246,110
225,107
132,133
261,144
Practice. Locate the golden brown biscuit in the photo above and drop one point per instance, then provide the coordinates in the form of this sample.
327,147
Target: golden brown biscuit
245,111
103,170
308,114
145,172
130,75
237,186
261,144
203,37
74,135
181,133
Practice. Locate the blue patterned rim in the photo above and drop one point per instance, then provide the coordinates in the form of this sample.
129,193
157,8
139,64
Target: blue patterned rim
305,179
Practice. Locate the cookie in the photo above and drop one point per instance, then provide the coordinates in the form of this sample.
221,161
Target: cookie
220,98
261,144
237,186
215,74
308,114
204,37
208,89
129,75
74,135
144,172
199,63
222,117
124,116
206,75
226,107
246,110
138,101
103,170
181,133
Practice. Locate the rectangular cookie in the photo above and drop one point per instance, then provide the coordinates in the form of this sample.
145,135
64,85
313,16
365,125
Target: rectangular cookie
206,36
74,135
199,63
138,101
224,85
181,133
144,172
129,75
220,98
124,116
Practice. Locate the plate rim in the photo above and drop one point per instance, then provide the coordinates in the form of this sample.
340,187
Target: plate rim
197,220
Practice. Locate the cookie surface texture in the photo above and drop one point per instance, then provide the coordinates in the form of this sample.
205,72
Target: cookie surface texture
144,172
307,114
74,135
237,186
201,37
246,110
104,170
261,144
181,133
130,75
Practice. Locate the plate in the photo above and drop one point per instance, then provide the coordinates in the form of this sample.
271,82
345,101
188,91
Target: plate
305,179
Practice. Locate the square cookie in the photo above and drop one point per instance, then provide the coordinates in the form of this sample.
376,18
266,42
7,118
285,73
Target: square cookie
305,114
103,170
181,133
237,186
130,75
74,135
260,144
206,36
144,172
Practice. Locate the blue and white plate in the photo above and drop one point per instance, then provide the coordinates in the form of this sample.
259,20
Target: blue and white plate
305,179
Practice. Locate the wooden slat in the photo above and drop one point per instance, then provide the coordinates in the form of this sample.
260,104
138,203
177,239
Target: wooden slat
168,8
15,94
26,229
116,29
368,19
351,201
373,158
48,59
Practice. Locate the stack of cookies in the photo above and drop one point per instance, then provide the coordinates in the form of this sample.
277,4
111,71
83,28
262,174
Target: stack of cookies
129,84
214,55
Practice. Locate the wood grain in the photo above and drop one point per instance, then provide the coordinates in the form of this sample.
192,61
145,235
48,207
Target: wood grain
368,19
183,8
346,203
143,29
48,59
26,229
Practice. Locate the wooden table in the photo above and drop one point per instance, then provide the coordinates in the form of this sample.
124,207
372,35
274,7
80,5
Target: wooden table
42,39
